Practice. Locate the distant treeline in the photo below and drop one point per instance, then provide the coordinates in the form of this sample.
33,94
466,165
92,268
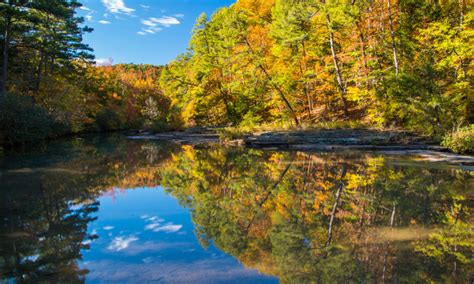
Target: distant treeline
50,86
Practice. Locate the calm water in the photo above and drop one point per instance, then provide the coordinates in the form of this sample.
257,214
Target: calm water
115,210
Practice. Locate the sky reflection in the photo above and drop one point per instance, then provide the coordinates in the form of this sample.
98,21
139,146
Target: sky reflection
144,235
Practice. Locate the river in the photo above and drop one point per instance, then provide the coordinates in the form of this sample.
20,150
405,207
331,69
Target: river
109,209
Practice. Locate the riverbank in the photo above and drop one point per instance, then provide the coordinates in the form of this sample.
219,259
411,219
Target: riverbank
393,142
312,139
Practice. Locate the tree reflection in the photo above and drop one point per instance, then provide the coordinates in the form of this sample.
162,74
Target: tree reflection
305,218
44,226
50,197
328,218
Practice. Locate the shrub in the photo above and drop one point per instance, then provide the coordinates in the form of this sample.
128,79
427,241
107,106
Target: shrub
21,121
251,120
460,141
159,126
232,133
108,120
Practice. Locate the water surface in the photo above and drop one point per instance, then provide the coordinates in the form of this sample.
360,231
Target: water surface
108,209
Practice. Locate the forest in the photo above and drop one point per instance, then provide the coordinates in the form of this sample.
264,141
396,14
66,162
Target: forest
379,63
126,189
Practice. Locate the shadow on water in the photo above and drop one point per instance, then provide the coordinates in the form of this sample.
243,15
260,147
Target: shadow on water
300,217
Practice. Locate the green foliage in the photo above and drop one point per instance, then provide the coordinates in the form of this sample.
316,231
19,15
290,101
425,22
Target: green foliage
161,125
108,120
249,128
45,37
231,133
461,140
449,244
40,59
21,121
260,62
273,211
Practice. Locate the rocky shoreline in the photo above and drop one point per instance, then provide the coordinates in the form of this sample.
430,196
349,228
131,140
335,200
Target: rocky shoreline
319,140
329,139
389,142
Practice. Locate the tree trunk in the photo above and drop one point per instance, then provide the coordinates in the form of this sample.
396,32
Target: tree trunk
364,59
303,69
340,82
277,88
269,192
336,205
392,34
6,46
39,74
282,95
392,217
225,96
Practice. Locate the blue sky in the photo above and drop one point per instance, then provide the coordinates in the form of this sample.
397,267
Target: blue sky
143,31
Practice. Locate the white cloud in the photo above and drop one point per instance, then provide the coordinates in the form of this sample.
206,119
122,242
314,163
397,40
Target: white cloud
152,226
152,31
107,228
117,7
179,15
103,22
144,6
89,14
152,25
121,243
105,62
149,23
166,21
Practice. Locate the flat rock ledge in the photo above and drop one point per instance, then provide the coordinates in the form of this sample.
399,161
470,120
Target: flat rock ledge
387,142
340,139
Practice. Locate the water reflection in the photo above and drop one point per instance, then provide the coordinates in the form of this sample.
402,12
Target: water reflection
329,218
75,210
146,236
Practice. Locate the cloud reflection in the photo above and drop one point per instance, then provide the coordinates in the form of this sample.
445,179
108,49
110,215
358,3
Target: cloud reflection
121,243
168,228
155,225
152,226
